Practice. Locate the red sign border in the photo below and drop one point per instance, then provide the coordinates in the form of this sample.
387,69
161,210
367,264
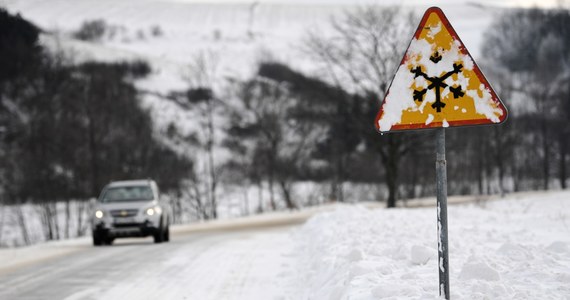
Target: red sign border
476,69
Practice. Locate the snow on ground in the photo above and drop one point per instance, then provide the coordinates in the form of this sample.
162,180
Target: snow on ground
516,248
13,258
245,266
512,248
214,265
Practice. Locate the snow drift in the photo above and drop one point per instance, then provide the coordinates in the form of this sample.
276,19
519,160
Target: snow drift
515,248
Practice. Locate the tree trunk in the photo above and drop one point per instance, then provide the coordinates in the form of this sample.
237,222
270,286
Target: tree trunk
392,187
499,149
246,200
501,179
546,153
260,196
391,161
211,161
545,165
2,220
21,219
334,188
412,189
200,207
515,175
271,175
392,181
80,211
337,156
55,219
271,192
488,173
91,141
341,179
335,174
179,210
67,218
287,194
563,153
338,177
46,220
480,171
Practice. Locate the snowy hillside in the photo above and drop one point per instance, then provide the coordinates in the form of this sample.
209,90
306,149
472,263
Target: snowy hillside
238,32
169,34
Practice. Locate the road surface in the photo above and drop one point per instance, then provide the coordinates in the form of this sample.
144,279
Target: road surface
247,258
223,263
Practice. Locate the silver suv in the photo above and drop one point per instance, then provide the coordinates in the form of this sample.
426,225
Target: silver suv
130,209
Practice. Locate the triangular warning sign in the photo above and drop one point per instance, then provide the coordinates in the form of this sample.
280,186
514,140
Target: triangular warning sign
438,84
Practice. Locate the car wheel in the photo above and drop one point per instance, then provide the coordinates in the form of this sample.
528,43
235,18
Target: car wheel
97,241
109,241
167,234
159,235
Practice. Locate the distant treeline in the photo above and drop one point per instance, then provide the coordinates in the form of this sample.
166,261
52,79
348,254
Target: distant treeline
289,127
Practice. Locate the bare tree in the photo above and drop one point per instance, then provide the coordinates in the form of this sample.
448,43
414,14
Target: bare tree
21,220
361,55
202,77
532,46
264,127
2,220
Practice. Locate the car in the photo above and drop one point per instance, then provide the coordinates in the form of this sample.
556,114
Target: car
130,208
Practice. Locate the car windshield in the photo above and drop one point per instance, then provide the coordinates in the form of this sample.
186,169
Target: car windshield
127,193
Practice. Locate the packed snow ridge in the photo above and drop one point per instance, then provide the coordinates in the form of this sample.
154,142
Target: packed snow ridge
508,249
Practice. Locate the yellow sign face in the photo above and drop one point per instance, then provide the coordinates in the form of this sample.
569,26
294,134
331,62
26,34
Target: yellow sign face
438,84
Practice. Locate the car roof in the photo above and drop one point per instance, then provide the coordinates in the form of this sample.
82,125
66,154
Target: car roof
131,183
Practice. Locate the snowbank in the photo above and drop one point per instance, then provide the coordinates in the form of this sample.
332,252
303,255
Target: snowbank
517,248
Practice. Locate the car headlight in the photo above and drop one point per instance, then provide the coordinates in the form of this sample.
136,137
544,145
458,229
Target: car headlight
99,214
153,210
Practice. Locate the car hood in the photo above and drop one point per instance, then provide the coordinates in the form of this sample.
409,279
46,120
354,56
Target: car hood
126,205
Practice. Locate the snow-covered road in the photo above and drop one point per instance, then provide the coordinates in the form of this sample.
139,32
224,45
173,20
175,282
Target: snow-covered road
243,264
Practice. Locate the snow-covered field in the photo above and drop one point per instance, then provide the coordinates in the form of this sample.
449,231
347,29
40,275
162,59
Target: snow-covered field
516,248
512,248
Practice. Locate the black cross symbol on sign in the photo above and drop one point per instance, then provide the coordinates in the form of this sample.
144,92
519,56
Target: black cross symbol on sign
436,84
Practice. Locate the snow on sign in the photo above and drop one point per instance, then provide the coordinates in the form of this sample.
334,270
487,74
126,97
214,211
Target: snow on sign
438,84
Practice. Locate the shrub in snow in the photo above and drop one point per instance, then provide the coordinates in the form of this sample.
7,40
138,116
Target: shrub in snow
93,30
156,31
141,35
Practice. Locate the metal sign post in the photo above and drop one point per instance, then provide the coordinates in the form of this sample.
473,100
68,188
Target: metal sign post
441,187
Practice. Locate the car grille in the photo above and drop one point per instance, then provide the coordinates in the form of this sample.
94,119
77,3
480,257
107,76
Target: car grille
124,213
137,225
